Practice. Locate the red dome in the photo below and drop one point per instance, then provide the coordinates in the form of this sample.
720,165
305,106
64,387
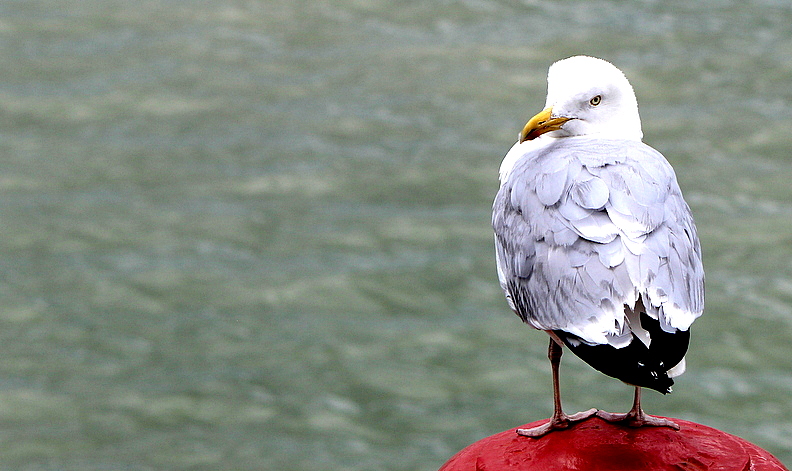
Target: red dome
599,445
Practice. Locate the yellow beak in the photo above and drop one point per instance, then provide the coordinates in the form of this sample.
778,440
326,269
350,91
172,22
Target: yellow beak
540,124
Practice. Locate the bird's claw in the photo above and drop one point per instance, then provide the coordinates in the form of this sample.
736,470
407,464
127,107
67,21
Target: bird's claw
556,423
632,419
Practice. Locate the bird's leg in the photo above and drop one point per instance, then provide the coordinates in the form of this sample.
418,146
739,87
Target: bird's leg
637,417
559,420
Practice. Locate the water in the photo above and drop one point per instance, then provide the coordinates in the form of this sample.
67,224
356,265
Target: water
255,235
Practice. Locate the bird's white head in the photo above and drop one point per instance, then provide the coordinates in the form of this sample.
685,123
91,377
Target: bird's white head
586,96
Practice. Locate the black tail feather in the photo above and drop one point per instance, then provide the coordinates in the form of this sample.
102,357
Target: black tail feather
636,364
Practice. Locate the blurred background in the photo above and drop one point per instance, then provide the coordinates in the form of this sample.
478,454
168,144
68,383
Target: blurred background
255,235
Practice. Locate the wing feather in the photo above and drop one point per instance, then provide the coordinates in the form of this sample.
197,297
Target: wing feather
584,227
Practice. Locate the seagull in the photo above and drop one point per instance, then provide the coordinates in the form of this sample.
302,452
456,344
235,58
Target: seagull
594,243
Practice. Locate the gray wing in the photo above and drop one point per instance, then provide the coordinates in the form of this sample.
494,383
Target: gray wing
584,227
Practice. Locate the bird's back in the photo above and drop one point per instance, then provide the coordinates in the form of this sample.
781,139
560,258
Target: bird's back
590,234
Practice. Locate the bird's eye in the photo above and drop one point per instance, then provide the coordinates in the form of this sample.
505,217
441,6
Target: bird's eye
596,100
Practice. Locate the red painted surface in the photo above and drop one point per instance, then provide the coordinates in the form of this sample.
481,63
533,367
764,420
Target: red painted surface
598,445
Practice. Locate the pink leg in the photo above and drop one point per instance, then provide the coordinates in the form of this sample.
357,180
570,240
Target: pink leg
637,417
559,420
